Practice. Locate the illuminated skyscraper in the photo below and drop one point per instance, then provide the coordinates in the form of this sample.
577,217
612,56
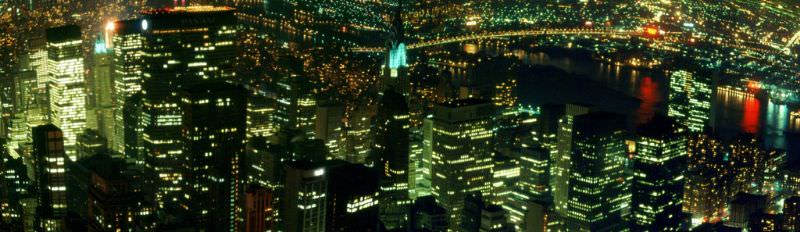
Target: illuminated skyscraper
50,159
127,70
690,96
213,132
100,108
533,184
353,198
461,153
658,178
66,83
296,105
259,110
305,198
183,45
390,153
791,213
328,126
560,158
707,179
597,176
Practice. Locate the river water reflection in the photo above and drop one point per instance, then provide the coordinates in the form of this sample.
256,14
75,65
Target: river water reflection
734,112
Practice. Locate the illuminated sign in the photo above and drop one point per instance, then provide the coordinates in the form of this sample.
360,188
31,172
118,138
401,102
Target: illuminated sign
145,25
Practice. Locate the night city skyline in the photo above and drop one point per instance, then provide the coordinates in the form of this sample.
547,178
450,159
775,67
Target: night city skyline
400,115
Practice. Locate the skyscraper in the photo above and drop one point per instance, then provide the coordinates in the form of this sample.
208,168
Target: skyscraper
127,70
213,131
353,197
100,110
296,105
560,158
707,179
50,158
690,96
67,95
461,153
183,45
304,204
596,180
390,153
658,175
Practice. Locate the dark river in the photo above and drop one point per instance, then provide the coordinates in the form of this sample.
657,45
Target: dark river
642,93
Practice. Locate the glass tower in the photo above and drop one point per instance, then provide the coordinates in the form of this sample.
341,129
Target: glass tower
67,94
461,153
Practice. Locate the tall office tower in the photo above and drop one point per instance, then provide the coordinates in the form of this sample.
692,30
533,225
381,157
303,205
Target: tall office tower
50,159
707,179
133,128
25,93
260,211
791,213
749,162
425,163
108,193
471,214
296,104
763,221
15,187
353,197
538,217
304,204
262,166
259,110
100,93
67,95
461,153
427,215
199,46
6,102
127,71
743,205
533,183
37,53
356,139
214,115
328,126
560,158
658,178
690,96
505,176
390,152
597,175
417,186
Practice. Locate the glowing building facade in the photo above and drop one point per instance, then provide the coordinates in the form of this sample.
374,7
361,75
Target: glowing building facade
183,45
462,153
127,70
690,96
67,93
213,132
658,175
597,180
